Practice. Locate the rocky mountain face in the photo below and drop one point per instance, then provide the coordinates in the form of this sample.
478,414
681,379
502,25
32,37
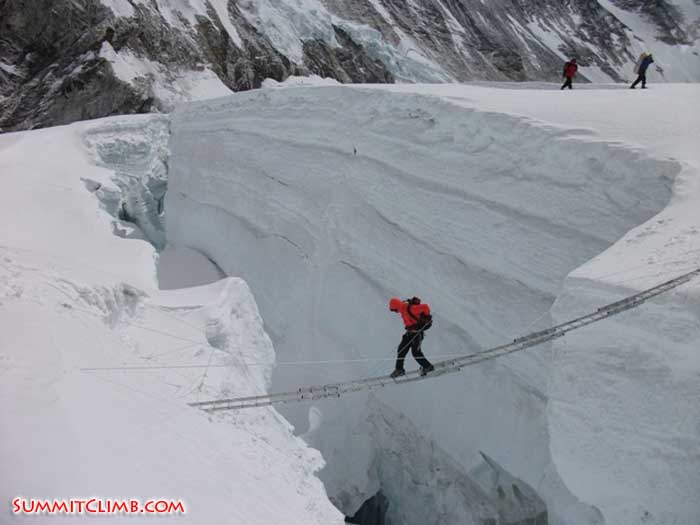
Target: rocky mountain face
66,60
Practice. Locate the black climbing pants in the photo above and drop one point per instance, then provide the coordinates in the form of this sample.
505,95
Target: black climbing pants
641,78
568,83
413,341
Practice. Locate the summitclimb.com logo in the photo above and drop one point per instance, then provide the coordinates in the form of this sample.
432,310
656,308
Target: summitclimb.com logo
97,506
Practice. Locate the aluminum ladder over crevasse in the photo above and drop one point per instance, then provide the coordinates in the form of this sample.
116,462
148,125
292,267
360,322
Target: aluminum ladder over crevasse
312,393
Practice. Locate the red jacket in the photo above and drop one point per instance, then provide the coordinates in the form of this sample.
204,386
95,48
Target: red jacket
397,305
570,69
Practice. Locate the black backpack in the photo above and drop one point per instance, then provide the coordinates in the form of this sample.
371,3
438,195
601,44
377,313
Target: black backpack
423,323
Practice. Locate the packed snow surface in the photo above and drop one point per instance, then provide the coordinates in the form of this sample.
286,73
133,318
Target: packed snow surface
481,200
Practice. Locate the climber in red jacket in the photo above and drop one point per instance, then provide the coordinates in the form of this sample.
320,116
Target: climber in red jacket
417,319
570,69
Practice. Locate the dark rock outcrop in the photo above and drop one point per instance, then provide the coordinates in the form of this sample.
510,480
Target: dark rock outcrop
348,64
57,57
54,48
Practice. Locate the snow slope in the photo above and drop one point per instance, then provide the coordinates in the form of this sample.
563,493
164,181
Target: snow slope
170,87
78,291
482,200
676,62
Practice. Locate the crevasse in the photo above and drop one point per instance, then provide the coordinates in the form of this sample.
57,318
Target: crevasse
328,201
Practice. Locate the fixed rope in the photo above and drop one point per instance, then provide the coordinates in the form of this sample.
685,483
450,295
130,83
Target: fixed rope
313,393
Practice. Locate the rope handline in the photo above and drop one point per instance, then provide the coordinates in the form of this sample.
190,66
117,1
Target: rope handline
452,365
268,363
161,310
194,343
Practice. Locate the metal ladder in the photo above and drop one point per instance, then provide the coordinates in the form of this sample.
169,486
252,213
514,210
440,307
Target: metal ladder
312,393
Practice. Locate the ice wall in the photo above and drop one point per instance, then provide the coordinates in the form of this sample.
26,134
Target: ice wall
623,410
328,201
137,153
95,402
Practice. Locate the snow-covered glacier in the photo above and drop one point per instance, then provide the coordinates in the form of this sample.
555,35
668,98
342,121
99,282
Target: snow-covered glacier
329,200
250,243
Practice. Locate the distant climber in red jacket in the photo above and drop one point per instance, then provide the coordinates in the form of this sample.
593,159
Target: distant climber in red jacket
570,69
417,319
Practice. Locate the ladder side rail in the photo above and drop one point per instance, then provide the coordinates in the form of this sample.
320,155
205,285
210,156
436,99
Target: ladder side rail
452,365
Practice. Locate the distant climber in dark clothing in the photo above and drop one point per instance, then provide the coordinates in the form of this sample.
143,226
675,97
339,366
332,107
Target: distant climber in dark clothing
569,73
641,69
416,319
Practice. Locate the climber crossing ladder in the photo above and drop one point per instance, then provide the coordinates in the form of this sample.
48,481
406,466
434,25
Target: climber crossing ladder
312,393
